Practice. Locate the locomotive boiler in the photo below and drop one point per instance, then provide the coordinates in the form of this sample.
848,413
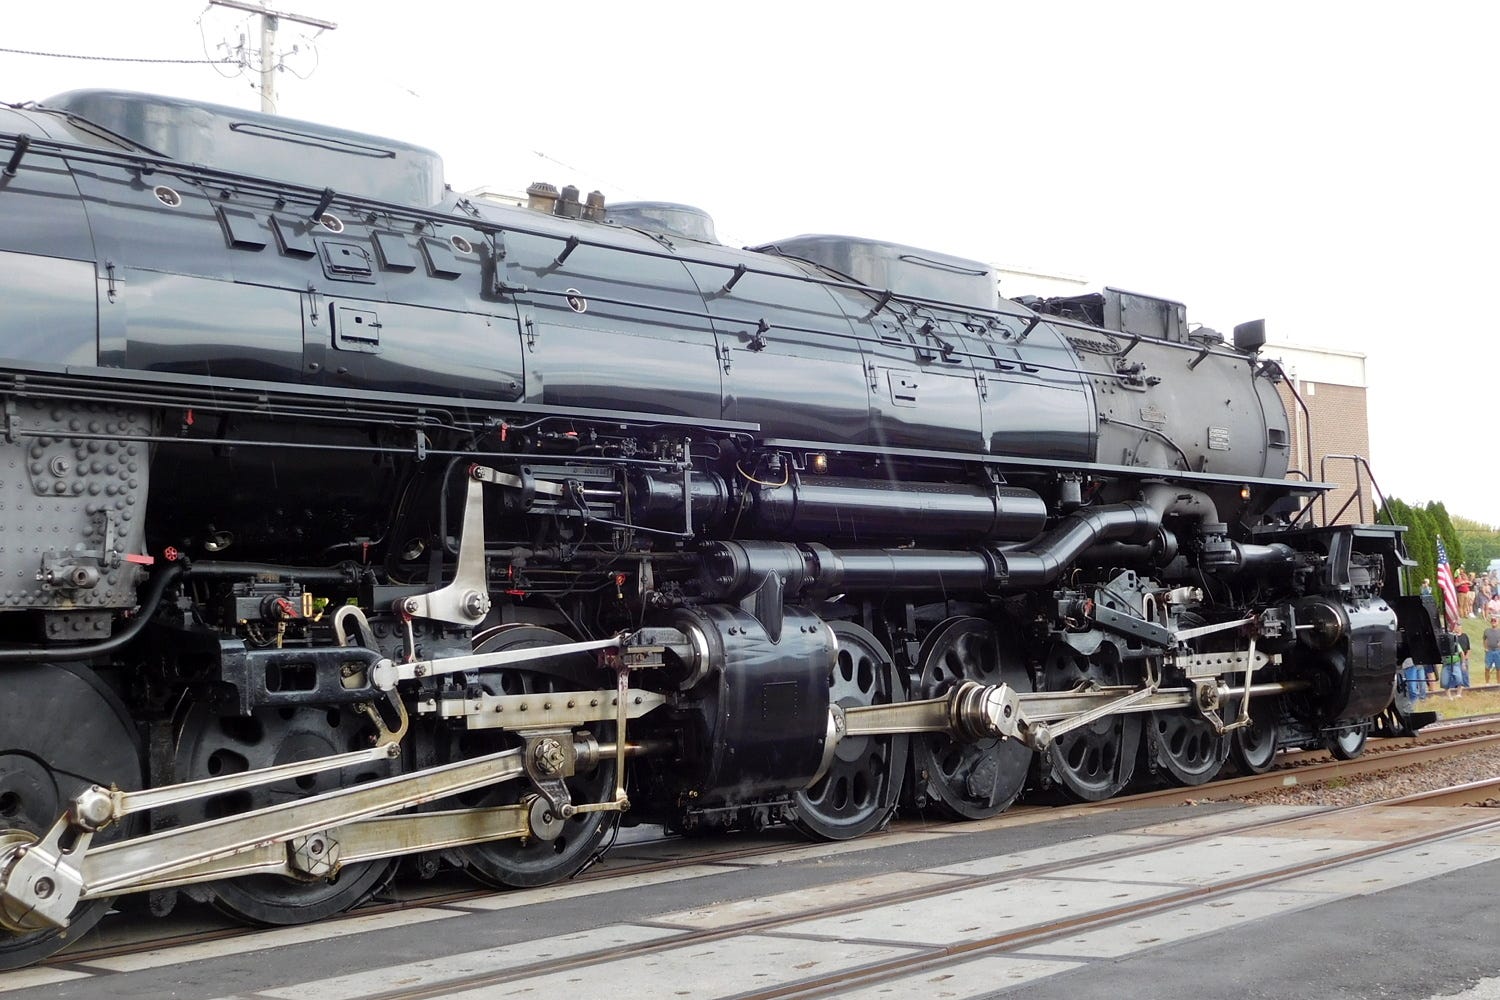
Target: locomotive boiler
344,519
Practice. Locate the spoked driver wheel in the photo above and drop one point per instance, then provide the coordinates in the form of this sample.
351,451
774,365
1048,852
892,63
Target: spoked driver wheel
1095,761
968,780
1185,747
515,863
863,782
210,745
1253,747
61,730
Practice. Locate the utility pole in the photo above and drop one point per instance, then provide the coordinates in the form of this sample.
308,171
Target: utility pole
270,20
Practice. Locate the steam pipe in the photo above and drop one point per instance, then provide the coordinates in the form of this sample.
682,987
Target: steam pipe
1160,551
1043,560
734,569
344,572
1264,559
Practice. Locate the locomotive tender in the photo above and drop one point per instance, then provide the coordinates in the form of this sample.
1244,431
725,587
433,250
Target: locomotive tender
344,519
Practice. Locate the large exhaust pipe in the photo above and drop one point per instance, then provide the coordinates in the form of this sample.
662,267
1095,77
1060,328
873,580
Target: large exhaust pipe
736,569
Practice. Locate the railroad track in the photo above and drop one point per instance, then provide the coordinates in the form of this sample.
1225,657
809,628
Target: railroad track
1312,771
854,917
122,937
99,947
1051,931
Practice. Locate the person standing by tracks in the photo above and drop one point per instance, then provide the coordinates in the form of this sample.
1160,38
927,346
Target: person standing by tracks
1491,640
1414,680
1483,594
1456,665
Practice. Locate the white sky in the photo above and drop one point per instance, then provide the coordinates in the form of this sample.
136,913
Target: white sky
1330,166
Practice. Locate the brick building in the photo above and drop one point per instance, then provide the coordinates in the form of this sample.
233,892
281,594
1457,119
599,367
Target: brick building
1332,387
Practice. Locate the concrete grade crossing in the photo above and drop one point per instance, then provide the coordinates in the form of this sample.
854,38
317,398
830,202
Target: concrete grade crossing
1073,902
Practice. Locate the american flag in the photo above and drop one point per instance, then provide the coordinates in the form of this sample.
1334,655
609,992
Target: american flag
1445,584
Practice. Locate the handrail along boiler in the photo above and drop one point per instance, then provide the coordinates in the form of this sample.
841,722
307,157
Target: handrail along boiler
346,518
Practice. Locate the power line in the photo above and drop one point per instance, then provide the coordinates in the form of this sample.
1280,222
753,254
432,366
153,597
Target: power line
132,59
270,58
237,60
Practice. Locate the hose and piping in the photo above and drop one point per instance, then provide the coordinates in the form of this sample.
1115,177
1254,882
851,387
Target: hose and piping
150,601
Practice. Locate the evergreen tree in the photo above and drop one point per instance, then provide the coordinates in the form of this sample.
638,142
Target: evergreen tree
1442,525
1421,541
1469,542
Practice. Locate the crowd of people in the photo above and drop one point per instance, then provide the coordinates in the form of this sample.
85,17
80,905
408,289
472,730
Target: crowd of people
1478,593
1478,597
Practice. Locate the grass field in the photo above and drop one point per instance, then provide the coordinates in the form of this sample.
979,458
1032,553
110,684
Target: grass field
1478,701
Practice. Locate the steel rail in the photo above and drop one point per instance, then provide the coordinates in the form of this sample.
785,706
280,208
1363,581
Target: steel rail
879,972
1312,773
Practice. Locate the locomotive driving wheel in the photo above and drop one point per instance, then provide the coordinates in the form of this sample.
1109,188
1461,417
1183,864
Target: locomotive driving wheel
61,730
863,782
1097,760
968,780
520,864
1253,747
1185,746
210,745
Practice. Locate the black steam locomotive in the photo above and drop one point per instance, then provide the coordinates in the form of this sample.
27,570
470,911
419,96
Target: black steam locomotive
344,519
